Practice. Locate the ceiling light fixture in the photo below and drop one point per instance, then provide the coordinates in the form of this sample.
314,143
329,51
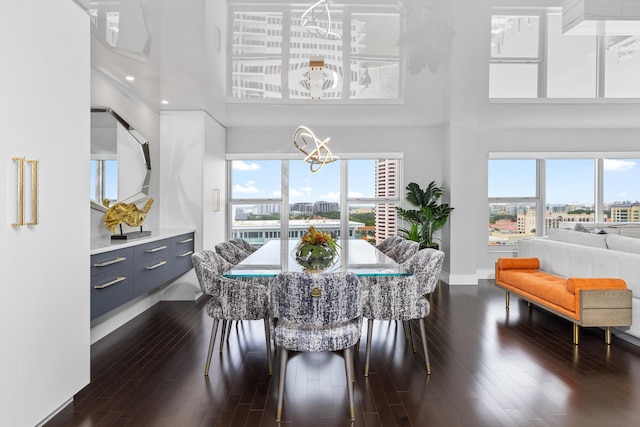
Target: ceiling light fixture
311,17
130,78
320,156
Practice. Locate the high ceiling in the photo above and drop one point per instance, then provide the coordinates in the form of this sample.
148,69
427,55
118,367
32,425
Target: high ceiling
180,54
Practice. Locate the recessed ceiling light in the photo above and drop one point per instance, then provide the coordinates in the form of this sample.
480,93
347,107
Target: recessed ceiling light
164,101
130,78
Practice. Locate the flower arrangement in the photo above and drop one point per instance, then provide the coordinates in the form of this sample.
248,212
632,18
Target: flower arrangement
314,236
316,249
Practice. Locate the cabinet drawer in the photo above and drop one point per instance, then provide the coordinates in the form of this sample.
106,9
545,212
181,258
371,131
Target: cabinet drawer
182,248
148,252
111,289
112,260
152,274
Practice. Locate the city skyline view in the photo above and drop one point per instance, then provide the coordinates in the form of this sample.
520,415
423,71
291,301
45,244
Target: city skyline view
569,181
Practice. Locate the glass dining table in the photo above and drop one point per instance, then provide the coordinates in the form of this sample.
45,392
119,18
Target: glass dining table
353,255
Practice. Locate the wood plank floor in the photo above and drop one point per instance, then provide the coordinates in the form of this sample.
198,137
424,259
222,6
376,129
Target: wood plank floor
489,368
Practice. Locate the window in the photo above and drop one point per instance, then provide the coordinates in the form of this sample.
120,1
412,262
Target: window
513,200
264,206
567,188
531,58
621,190
271,50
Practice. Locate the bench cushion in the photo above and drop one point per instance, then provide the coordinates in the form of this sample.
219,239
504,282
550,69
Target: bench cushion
545,288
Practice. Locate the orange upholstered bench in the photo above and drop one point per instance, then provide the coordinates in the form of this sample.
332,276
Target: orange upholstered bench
601,302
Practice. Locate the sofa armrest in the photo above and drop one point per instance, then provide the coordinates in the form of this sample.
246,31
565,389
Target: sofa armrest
518,263
574,283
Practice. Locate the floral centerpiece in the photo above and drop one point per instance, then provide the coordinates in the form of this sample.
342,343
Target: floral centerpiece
316,250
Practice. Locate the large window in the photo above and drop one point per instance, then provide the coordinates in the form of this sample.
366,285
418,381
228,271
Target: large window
350,198
531,58
583,190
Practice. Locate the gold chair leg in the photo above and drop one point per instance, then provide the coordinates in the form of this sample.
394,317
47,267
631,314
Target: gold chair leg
423,335
284,354
576,334
214,330
607,335
348,366
368,350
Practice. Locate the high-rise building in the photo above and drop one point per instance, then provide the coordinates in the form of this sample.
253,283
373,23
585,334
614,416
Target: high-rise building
386,186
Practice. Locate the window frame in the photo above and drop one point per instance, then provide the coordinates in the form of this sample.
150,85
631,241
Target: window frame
345,200
540,197
600,74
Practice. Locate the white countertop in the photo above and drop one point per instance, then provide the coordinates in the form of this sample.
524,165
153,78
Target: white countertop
105,244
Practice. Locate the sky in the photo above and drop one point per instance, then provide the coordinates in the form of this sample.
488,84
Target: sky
568,180
261,179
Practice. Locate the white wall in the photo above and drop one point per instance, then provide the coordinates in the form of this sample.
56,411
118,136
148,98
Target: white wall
192,166
44,110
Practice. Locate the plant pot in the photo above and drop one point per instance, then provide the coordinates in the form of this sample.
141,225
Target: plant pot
429,246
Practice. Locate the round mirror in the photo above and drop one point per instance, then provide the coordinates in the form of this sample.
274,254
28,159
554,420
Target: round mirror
120,162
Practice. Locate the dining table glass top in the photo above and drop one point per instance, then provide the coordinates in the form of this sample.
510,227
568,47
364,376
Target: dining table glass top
352,255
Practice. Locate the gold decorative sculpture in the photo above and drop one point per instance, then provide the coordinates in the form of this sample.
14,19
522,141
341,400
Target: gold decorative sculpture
127,213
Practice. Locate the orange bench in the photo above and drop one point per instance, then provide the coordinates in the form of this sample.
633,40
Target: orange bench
601,302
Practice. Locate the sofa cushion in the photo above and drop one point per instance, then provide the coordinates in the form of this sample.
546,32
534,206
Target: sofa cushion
579,238
623,244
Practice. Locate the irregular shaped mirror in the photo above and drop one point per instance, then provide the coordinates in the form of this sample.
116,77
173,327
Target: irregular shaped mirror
120,161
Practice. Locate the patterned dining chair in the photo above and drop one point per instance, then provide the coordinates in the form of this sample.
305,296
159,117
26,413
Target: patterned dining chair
231,252
239,241
230,299
403,250
316,313
404,298
389,242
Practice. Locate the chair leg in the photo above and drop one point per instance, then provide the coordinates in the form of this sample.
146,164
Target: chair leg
423,335
406,324
229,329
268,340
214,330
368,350
348,366
284,354
222,334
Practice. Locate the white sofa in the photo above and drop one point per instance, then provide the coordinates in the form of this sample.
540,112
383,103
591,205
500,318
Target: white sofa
578,254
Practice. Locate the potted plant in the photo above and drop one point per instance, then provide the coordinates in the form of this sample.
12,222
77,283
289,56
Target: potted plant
430,215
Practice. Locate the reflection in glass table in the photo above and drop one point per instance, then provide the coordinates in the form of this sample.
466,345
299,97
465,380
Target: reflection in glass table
357,256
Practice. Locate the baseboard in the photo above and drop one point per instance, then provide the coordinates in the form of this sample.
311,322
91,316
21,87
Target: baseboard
486,274
460,279
54,413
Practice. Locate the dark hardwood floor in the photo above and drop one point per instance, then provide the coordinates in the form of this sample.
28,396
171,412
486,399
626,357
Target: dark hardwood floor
489,368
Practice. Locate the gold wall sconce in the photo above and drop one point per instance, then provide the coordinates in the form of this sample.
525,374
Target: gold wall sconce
21,192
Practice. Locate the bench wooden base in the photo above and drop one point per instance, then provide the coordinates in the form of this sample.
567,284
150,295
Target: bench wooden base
598,308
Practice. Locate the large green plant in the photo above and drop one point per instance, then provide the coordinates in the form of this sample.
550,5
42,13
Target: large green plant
430,215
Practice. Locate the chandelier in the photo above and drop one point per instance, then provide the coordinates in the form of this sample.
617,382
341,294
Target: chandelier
311,16
321,155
